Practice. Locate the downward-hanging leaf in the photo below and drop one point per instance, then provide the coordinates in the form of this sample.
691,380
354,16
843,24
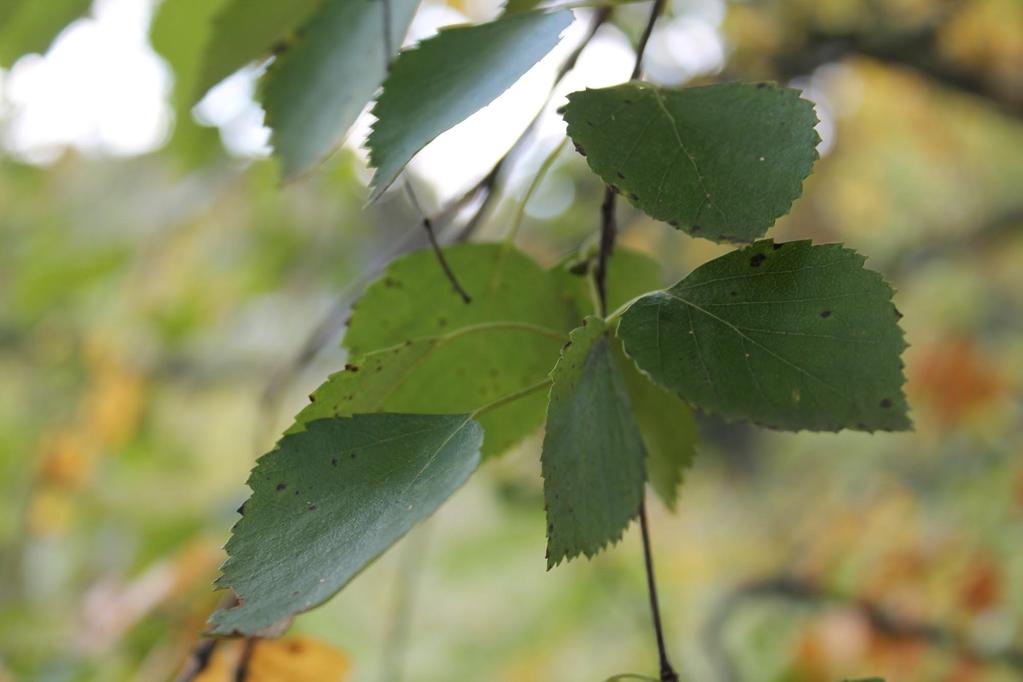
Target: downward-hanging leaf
444,80
180,33
329,500
245,31
31,25
506,339
666,421
318,87
721,161
668,427
592,459
790,336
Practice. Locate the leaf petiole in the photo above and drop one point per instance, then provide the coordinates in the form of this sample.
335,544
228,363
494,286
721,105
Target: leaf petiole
510,398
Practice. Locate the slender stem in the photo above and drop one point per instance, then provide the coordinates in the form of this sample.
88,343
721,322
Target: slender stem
668,673
655,11
608,233
620,310
541,173
512,397
396,639
503,325
608,230
437,251
241,673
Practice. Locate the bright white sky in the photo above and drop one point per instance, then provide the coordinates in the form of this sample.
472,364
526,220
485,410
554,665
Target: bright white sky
101,90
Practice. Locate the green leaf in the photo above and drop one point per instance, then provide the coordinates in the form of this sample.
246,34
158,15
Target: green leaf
666,422
506,339
791,336
29,26
319,86
249,30
721,161
447,78
329,500
592,461
179,33
668,427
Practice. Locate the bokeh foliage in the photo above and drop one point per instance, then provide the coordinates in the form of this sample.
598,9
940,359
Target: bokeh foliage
150,310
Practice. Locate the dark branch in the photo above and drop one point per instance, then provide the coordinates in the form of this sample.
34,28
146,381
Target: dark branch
438,252
200,659
608,233
241,673
668,673
637,69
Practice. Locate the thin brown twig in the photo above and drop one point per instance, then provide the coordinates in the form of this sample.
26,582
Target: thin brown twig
668,673
434,244
241,672
608,234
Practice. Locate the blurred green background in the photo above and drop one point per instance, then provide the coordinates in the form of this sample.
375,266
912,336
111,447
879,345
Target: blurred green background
166,305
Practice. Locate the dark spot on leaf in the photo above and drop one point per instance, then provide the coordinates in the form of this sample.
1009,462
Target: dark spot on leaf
333,461
776,246
294,646
619,174
886,403
756,260
673,223
353,455
633,196
297,492
281,486
351,368
627,101
580,149
312,397
825,313
761,86
696,228
589,123
442,321
311,507
733,292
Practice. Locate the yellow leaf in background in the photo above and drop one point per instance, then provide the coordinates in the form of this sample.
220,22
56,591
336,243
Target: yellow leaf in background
50,512
289,659
113,404
65,459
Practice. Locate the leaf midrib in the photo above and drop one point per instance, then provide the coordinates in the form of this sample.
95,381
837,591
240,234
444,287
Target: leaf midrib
745,337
